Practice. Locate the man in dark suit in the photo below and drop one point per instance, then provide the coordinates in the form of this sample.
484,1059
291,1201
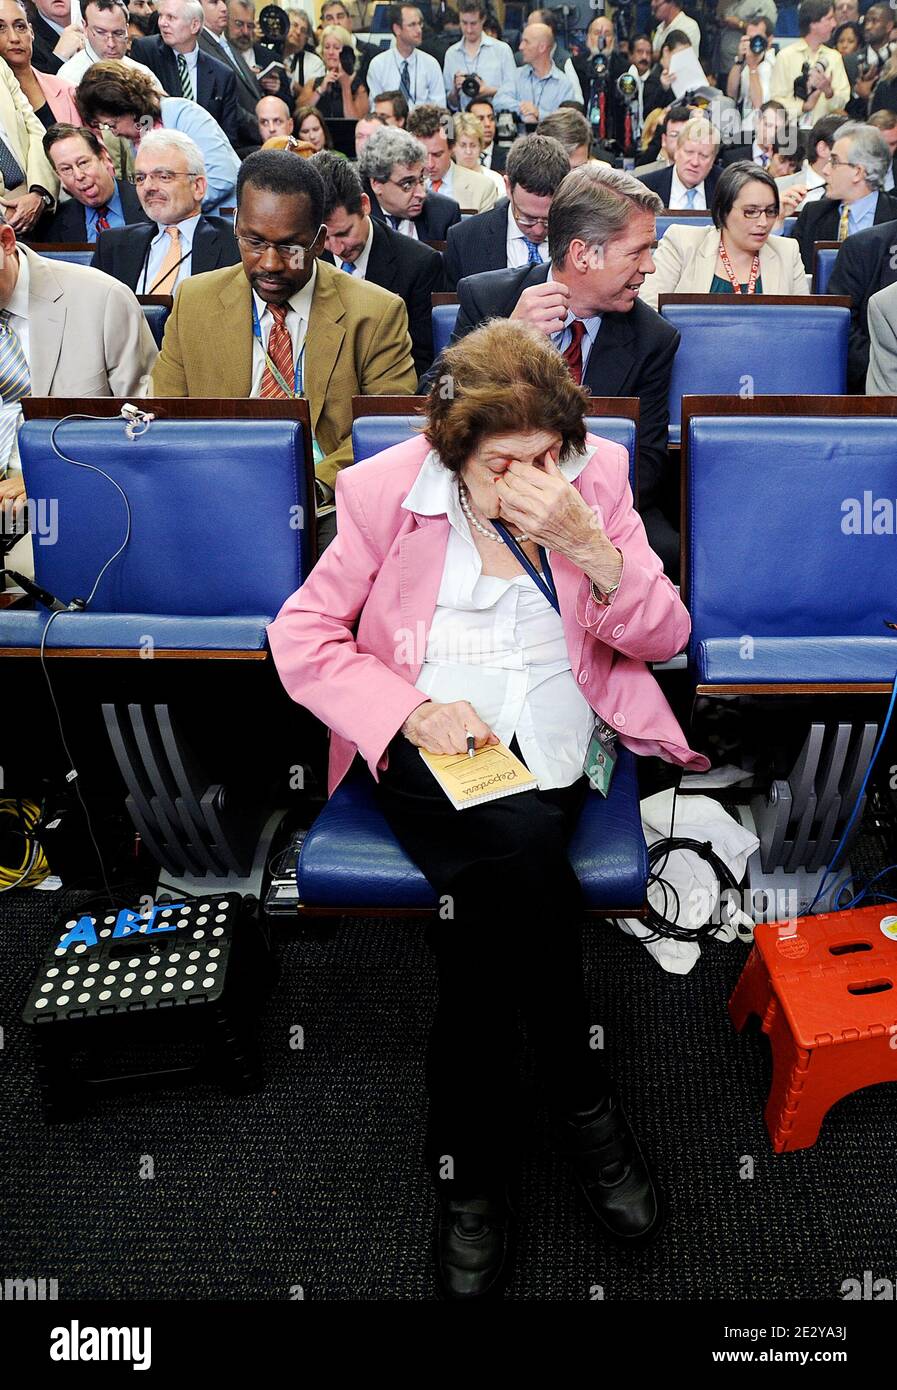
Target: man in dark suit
627,349
866,264
392,166
515,232
178,241
97,199
184,70
690,180
494,156
858,163
55,39
370,250
213,42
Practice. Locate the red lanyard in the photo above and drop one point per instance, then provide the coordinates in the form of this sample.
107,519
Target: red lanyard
727,265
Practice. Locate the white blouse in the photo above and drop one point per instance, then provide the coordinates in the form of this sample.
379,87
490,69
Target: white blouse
499,644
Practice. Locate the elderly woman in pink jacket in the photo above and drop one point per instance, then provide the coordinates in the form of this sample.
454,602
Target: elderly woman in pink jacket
492,581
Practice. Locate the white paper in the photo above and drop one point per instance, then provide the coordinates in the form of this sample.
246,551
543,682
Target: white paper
687,72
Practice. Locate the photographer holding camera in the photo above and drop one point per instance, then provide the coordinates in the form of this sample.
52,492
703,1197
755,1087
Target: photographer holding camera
599,70
809,78
750,80
478,66
340,92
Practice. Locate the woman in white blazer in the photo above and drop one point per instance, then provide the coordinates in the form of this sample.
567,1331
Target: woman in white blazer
736,255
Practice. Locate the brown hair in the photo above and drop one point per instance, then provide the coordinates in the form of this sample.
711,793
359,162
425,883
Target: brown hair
111,89
303,113
503,378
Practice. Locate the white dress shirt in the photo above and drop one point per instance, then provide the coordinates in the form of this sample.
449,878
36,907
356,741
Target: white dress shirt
518,253
683,22
75,67
11,415
296,323
424,76
564,338
158,250
446,184
678,193
500,644
191,59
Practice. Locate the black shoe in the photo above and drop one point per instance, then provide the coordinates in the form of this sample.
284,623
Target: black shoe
611,1172
474,1245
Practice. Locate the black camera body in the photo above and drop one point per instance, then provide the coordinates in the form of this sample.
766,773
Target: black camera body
347,59
757,43
471,86
800,88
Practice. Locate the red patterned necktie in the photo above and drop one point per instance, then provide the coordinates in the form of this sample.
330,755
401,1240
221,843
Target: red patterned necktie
280,351
573,354
435,185
103,218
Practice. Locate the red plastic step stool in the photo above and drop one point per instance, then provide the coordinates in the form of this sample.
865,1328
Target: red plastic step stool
825,989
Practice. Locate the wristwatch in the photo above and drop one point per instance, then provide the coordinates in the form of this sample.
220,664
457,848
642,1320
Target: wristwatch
49,201
603,596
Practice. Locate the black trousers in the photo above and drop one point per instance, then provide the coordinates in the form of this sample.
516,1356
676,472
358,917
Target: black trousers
508,935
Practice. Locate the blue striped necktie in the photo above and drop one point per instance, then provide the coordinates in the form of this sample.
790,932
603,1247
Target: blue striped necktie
15,376
532,252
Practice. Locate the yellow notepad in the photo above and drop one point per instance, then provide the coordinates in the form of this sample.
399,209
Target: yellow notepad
492,772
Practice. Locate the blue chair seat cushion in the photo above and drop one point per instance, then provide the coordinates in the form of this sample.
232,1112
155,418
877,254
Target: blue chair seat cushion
351,859
126,630
795,660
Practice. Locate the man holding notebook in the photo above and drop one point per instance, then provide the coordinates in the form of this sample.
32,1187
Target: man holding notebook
491,581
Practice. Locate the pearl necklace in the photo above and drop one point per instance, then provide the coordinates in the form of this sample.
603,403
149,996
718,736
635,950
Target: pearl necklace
467,509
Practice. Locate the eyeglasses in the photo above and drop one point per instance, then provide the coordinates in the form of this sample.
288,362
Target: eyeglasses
410,182
834,162
525,223
752,214
161,176
291,252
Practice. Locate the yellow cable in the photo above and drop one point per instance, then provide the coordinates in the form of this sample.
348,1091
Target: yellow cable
34,867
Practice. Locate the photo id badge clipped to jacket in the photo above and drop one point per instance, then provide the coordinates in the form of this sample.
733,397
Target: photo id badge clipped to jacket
601,757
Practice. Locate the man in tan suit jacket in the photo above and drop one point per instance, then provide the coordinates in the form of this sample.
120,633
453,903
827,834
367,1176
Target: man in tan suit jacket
284,322
22,134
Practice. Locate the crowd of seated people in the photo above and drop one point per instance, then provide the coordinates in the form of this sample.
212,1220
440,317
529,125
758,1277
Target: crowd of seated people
299,206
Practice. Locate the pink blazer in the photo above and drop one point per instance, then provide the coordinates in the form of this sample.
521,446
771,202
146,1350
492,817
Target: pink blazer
383,571
60,98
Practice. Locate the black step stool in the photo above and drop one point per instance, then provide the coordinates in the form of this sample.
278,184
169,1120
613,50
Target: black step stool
136,995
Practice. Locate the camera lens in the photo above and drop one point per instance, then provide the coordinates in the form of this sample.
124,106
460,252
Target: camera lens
470,86
758,44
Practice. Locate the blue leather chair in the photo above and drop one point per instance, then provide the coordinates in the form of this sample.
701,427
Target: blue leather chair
444,317
757,348
825,264
73,257
670,219
371,434
781,589
209,561
156,316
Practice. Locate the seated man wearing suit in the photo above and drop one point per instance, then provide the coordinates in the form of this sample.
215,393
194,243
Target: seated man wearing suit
178,241
28,185
372,251
470,190
68,331
184,69
515,232
392,170
865,265
493,156
600,233
97,199
690,180
243,332
853,200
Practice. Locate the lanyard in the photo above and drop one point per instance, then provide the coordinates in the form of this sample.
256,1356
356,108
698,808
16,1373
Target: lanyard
755,270
545,585
543,82
271,365
157,283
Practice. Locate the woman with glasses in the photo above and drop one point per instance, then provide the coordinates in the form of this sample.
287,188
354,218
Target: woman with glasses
737,255
115,97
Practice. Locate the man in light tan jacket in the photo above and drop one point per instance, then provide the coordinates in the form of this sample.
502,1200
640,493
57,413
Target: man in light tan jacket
284,324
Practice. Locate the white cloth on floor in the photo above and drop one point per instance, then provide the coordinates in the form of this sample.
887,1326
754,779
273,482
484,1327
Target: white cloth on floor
694,881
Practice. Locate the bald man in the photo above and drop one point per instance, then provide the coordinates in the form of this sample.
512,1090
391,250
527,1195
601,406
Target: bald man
541,87
274,117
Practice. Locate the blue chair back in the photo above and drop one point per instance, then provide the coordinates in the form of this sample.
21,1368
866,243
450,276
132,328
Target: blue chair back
788,574
758,349
73,257
217,541
444,317
156,316
371,434
788,225
825,264
671,219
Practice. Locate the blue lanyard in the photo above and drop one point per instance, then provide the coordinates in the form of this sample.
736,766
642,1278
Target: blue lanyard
272,368
545,585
